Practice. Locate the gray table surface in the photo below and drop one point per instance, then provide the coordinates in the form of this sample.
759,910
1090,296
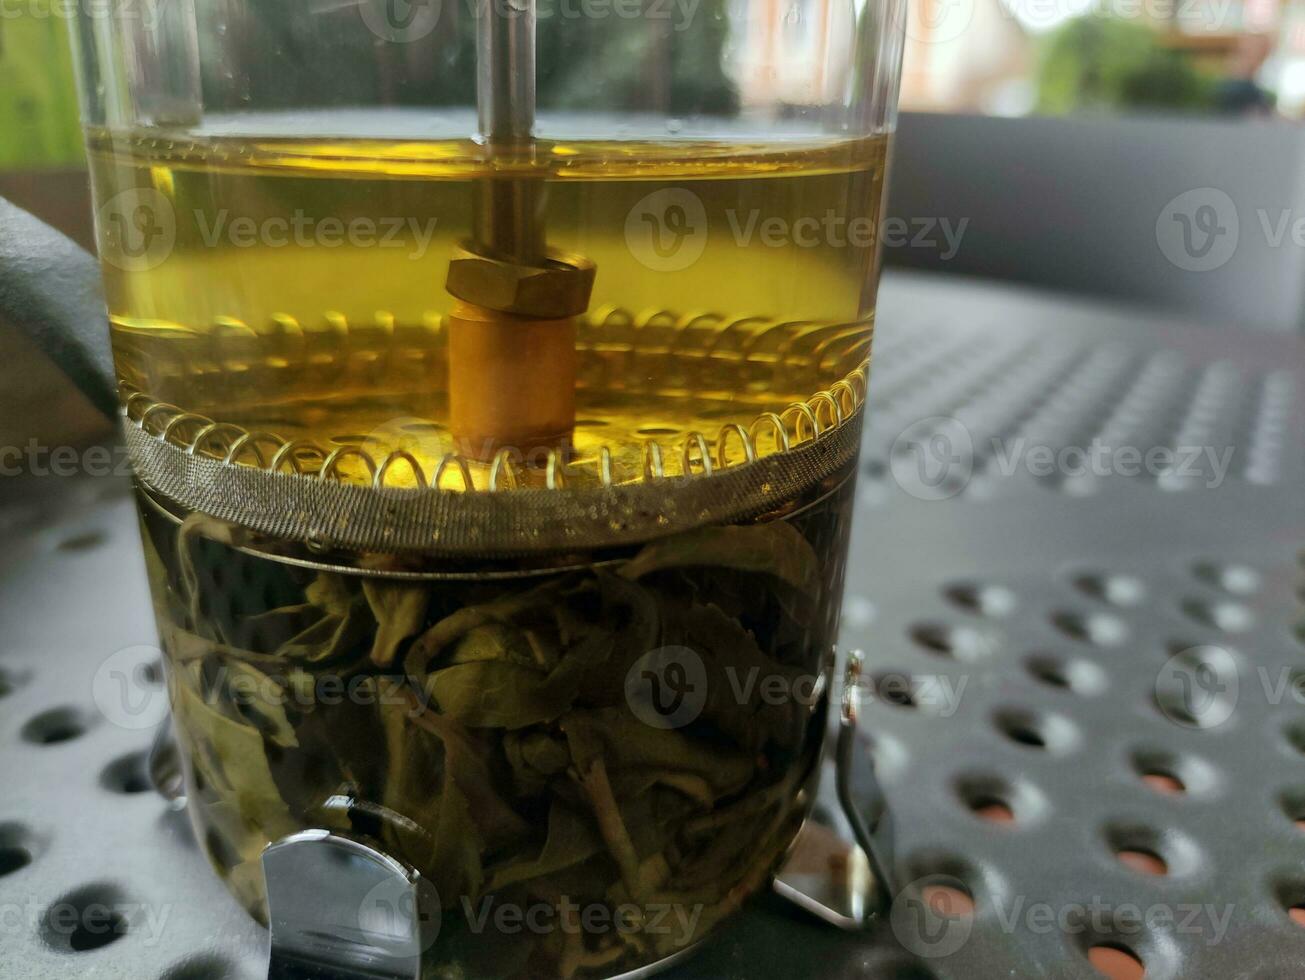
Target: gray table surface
1065,605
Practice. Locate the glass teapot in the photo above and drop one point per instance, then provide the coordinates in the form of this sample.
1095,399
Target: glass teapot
493,374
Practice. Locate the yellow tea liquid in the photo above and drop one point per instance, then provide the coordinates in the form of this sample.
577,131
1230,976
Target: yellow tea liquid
297,286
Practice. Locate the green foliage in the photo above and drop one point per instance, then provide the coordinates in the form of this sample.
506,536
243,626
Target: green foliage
38,102
1106,63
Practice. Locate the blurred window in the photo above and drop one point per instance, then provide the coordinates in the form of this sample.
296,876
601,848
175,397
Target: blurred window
1012,57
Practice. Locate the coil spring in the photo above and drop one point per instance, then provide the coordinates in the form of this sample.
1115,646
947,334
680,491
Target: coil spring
734,445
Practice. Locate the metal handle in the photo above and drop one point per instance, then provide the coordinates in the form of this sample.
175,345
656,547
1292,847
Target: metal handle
340,908
859,791
841,864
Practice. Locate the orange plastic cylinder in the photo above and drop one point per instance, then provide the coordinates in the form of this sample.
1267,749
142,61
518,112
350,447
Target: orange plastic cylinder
511,383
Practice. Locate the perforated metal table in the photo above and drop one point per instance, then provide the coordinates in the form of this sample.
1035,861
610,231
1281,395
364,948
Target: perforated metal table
1080,646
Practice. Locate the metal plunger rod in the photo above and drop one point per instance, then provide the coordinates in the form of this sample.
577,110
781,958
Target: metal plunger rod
505,70
512,331
507,219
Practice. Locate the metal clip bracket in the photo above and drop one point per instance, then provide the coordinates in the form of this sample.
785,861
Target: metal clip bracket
340,908
840,866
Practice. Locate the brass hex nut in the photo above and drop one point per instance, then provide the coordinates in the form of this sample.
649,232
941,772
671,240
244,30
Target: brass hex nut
558,288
